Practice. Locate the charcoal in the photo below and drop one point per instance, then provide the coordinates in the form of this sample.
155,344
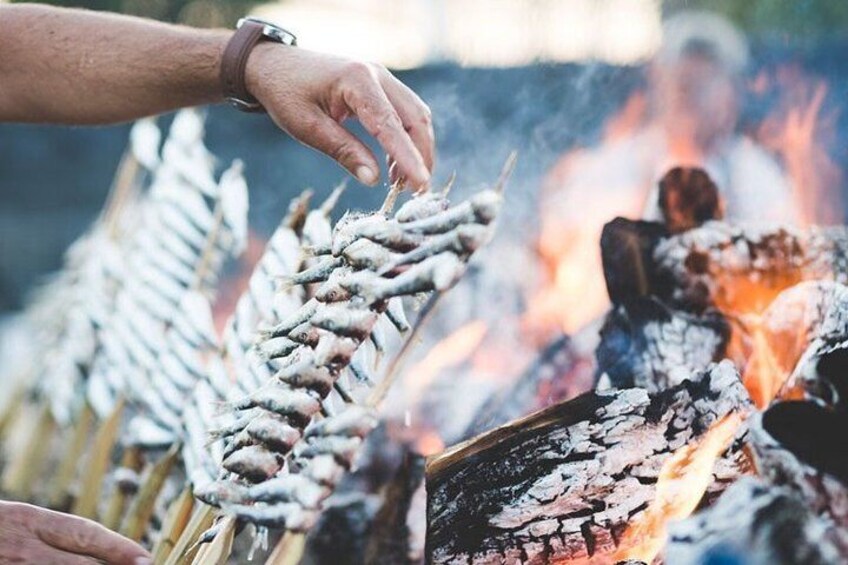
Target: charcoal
801,445
388,543
688,198
755,523
743,268
627,249
646,344
341,532
565,482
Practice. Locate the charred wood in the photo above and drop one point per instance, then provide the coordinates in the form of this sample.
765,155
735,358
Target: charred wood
388,543
688,198
758,524
807,332
627,249
646,344
341,532
801,445
744,267
565,482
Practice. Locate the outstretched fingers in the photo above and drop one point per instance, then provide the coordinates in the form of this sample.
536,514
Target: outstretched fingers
323,133
370,103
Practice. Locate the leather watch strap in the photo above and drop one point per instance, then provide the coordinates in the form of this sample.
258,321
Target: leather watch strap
233,64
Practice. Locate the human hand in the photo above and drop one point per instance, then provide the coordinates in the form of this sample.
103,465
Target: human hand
29,534
310,94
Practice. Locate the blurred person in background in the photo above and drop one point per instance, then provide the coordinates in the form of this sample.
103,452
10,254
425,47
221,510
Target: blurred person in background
77,67
687,118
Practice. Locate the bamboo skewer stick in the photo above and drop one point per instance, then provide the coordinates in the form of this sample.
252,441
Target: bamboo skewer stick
141,508
382,389
289,550
179,513
97,463
131,459
218,550
23,469
60,497
124,186
12,411
201,520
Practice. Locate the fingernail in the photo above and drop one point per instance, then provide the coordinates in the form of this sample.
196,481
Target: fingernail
366,175
143,561
424,173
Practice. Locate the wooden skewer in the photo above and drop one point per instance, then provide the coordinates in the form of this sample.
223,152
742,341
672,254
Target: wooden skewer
131,459
124,187
97,464
506,171
184,549
12,411
141,508
60,497
381,390
218,550
179,513
23,469
289,550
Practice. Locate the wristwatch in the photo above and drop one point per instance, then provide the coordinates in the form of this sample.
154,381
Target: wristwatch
249,32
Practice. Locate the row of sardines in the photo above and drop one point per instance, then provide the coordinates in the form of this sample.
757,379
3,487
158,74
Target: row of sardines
153,412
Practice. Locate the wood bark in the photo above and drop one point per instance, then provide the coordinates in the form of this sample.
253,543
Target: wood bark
564,483
388,542
646,344
726,265
801,445
756,523
688,197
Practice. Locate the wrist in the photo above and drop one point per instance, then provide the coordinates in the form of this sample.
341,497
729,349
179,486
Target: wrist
258,72
242,61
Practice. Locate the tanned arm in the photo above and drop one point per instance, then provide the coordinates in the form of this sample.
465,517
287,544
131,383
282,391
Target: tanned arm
79,67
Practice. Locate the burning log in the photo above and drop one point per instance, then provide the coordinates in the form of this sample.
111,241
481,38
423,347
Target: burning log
807,332
627,249
799,445
388,542
567,482
648,345
757,523
743,268
688,198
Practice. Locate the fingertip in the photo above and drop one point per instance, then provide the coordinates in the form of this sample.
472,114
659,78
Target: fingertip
421,177
366,175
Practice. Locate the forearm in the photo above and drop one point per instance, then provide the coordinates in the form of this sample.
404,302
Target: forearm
81,67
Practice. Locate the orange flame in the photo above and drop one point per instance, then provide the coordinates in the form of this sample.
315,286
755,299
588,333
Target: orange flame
573,292
455,349
682,482
799,133
429,443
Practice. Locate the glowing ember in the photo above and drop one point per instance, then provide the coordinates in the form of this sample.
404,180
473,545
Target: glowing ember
429,443
682,482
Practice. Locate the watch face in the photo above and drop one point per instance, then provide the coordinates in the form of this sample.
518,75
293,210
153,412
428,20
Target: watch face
271,31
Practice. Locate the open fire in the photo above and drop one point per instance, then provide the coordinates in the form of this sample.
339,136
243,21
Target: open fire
769,298
686,389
